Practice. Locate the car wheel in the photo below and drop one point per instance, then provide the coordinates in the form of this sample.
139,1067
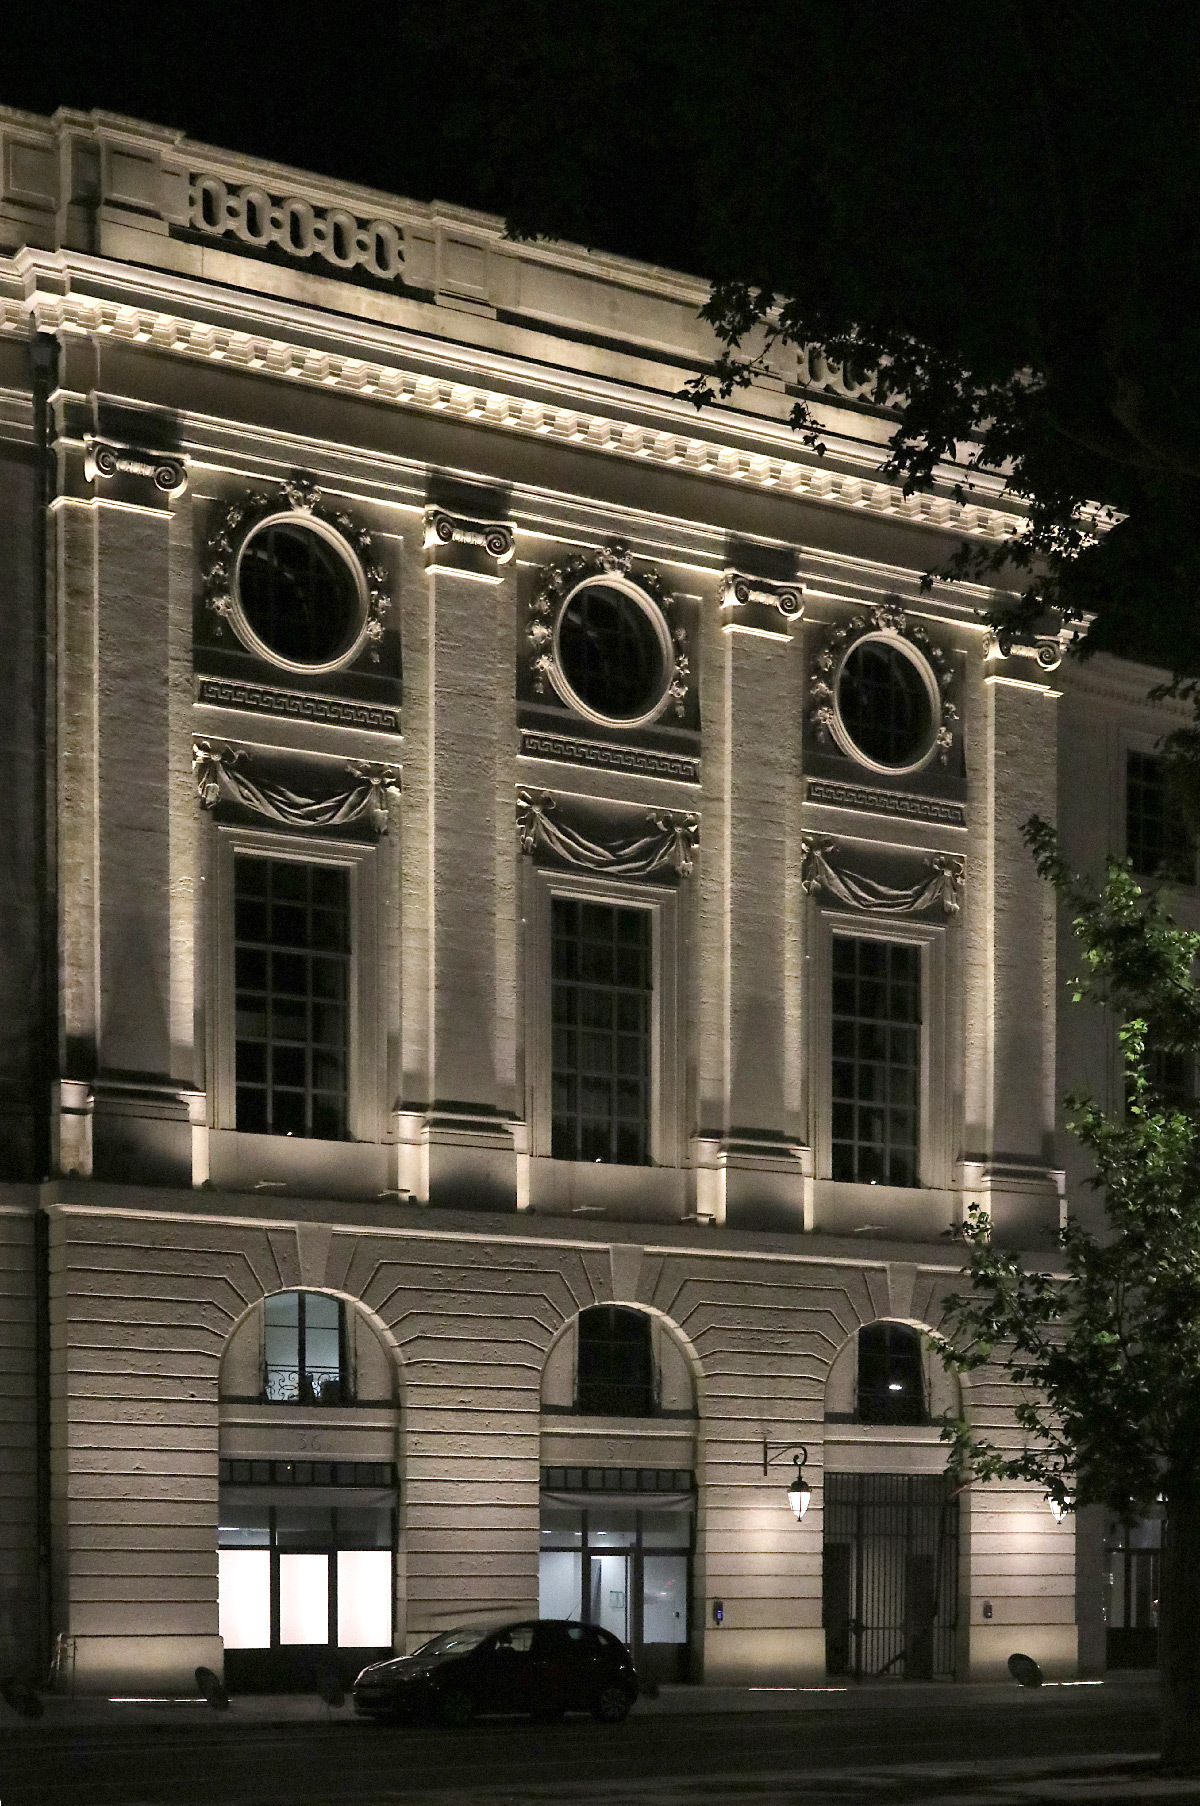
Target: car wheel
611,1704
456,1709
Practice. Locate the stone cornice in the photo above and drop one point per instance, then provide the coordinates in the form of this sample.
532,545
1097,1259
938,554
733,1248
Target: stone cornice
191,320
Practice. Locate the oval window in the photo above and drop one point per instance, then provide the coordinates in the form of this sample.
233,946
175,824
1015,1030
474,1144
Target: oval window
611,653
885,704
299,594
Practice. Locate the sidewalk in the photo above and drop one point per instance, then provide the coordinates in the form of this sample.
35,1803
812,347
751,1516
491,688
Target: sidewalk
62,1711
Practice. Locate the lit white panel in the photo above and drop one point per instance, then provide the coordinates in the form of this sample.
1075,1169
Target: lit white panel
364,1612
304,1599
664,1599
244,1597
559,1581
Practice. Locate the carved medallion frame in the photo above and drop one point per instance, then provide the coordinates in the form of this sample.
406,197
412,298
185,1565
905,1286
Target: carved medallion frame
888,625
611,567
299,502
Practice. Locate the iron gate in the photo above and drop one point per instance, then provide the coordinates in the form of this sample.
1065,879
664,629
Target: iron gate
890,1576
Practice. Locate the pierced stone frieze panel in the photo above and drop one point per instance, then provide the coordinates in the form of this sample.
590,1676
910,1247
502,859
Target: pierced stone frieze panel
602,638
295,227
296,583
667,842
228,772
262,699
599,755
822,869
880,693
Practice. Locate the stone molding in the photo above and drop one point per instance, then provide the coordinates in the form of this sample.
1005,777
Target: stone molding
899,803
105,459
221,771
757,605
1047,649
669,841
820,870
496,538
262,699
46,309
598,755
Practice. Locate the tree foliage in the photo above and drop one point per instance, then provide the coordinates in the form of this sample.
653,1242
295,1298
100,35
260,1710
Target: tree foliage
1106,1344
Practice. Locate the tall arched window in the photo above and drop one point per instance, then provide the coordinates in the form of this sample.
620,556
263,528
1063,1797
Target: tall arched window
615,1370
891,1381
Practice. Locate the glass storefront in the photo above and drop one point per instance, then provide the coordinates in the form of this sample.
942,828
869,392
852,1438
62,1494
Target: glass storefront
626,1566
304,1584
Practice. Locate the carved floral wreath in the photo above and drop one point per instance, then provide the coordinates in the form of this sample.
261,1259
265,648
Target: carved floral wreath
888,617
304,498
556,583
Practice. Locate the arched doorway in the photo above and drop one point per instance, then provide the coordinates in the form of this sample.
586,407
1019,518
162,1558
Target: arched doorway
617,1518
891,1514
309,1502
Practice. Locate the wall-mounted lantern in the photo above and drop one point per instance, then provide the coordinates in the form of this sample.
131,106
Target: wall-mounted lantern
799,1492
1059,1507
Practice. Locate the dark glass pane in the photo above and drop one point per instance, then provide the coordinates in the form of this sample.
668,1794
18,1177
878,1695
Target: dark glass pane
601,1027
298,593
610,652
884,703
615,1362
1158,839
876,1040
281,1088
891,1384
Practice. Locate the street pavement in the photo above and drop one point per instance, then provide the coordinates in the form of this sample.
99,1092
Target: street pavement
951,1746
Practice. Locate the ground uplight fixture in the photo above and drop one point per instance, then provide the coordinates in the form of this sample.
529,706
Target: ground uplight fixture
799,1492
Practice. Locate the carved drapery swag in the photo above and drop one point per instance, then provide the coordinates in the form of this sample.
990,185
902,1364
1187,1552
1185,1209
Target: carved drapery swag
667,841
943,884
226,770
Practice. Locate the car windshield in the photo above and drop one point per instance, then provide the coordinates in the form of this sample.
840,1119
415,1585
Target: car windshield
452,1642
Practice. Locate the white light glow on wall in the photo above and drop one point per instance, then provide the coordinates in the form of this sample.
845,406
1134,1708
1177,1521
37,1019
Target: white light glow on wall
244,1597
304,1599
364,1598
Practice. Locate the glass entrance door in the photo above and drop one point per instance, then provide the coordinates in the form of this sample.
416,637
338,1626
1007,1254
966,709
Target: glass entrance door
610,1594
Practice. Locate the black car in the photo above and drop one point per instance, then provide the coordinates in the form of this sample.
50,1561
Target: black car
543,1667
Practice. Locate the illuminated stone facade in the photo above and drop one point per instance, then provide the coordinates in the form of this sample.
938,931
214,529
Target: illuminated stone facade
382,633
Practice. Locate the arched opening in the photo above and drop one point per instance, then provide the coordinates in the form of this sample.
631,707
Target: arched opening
309,1502
618,1483
891,1514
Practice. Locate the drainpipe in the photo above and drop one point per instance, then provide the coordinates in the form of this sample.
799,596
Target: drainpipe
44,370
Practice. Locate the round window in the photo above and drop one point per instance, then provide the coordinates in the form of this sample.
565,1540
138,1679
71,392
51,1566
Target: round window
885,704
299,594
613,652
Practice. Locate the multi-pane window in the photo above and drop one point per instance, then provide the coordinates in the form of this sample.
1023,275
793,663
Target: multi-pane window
615,1363
876,1061
602,993
292,979
891,1384
1158,841
303,1341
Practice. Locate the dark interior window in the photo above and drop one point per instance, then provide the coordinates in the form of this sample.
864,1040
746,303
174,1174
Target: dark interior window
615,1363
298,593
303,1348
891,1383
600,1061
884,703
1158,840
609,652
291,964
876,1078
